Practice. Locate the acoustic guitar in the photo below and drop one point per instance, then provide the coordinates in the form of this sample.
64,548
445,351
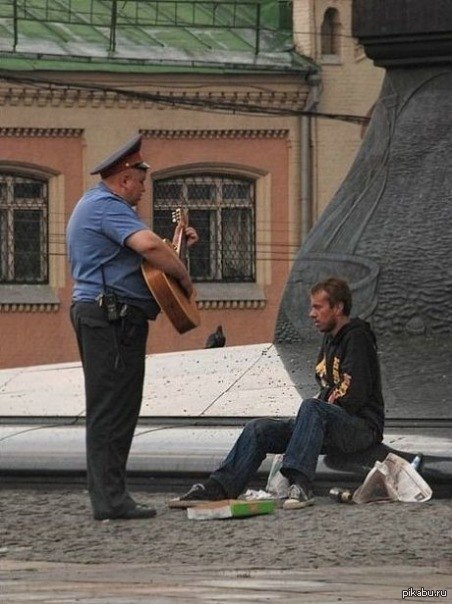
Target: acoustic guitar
180,309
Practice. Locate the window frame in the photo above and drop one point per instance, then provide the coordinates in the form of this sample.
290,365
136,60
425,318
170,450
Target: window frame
215,202
9,205
41,297
235,296
330,41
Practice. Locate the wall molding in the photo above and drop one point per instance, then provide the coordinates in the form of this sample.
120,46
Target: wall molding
18,132
214,134
32,307
66,97
230,304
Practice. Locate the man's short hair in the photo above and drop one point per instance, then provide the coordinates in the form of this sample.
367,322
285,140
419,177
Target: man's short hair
337,291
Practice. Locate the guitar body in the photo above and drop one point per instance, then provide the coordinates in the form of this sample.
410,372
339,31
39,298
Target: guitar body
180,310
172,299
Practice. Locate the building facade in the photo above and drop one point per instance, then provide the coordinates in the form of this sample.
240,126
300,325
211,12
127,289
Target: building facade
218,97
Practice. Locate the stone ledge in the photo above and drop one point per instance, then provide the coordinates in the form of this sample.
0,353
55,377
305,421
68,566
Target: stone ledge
28,298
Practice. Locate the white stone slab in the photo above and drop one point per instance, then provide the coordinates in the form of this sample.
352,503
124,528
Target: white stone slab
47,390
231,381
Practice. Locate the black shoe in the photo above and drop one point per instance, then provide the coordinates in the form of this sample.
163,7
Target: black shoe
140,511
210,491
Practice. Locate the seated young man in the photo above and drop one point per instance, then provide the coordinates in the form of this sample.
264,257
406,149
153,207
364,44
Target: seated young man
346,416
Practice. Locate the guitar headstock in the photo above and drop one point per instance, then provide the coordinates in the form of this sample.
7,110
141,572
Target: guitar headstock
180,216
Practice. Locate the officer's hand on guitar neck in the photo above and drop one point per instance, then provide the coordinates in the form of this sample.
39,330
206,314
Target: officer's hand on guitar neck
189,232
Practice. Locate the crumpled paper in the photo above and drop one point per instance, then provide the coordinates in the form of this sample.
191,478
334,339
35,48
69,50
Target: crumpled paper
250,495
393,479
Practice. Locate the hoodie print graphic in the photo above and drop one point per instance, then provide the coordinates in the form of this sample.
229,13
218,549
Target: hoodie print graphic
341,383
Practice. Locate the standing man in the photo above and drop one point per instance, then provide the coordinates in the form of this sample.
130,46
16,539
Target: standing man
110,311
347,415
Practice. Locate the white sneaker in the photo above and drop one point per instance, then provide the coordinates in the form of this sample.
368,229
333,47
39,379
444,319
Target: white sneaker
298,498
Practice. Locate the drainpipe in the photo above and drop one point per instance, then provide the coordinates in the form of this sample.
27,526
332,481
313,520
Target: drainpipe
306,157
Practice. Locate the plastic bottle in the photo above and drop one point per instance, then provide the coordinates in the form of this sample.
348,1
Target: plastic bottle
416,461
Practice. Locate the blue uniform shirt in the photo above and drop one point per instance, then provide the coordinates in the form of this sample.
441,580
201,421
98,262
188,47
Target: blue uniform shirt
96,232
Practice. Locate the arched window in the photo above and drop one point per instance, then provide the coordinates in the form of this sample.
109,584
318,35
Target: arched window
222,209
330,29
23,229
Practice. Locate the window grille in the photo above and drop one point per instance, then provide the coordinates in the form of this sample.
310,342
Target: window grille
222,210
23,230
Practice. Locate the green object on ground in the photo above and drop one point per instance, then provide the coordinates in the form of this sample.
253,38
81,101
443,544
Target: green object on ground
230,508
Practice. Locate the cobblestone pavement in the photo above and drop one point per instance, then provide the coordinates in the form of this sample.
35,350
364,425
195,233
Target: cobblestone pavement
329,542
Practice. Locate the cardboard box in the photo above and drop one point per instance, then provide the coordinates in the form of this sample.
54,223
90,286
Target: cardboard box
230,508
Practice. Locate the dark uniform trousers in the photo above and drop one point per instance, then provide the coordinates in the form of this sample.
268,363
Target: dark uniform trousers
113,359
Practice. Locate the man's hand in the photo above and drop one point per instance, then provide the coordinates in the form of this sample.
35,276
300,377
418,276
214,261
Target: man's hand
189,232
191,235
161,256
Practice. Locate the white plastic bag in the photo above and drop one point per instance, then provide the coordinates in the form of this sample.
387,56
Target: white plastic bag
277,484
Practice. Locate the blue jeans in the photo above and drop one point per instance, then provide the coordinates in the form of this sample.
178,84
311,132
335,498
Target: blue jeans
318,428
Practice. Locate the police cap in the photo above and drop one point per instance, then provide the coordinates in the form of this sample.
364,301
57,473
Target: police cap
128,156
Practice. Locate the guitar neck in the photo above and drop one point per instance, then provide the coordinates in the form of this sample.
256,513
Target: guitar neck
181,245
182,248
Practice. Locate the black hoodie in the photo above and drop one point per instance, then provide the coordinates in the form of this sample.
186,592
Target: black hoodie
348,372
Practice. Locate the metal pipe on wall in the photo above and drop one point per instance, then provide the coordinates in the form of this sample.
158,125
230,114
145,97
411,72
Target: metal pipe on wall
306,157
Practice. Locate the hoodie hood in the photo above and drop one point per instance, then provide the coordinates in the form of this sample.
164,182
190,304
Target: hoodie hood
354,324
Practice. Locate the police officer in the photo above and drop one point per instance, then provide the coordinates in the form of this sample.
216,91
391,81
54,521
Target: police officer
110,311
